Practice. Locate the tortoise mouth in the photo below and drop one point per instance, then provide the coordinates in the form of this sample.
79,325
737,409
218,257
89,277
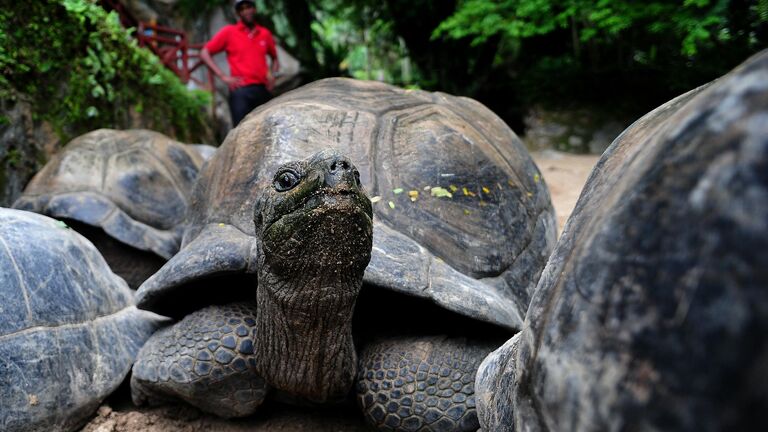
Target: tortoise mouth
343,199
330,227
340,197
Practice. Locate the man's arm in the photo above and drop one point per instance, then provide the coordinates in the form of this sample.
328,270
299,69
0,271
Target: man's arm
275,64
272,53
230,81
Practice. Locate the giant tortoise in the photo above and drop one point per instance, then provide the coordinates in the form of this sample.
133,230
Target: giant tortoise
69,329
463,221
652,313
127,191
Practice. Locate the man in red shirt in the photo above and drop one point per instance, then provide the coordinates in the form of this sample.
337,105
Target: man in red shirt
247,45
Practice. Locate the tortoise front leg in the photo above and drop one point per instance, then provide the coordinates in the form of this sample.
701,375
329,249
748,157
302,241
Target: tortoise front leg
206,360
420,384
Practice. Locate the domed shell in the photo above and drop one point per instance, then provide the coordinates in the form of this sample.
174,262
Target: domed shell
444,170
69,330
652,313
134,184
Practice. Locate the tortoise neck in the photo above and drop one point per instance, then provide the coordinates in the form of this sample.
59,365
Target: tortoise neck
304,331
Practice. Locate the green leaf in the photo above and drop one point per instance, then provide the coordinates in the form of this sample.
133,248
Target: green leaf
440,192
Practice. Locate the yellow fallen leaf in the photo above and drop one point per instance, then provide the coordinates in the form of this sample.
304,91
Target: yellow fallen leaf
483,203
221,224
468,192
486,190
453,188
530,194
414,194
466,212
397,191
375,199
536,178
391,205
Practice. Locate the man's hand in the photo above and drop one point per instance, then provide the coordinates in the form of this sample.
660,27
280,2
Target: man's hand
232,82
272,74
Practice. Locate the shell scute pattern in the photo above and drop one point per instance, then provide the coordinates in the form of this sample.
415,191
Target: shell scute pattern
68,327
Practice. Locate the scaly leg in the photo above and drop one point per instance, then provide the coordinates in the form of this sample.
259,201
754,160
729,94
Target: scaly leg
206,359
420,383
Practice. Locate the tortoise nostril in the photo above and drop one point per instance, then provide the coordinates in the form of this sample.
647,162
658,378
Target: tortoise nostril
340,164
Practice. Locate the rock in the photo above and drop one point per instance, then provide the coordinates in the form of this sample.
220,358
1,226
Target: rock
603,137
104,411
575,141
578,130
652,312
25,144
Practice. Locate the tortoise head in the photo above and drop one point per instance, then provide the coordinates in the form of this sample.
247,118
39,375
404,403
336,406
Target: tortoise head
315,230
315,215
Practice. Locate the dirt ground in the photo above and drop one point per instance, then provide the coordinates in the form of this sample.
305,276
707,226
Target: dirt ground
182,418
564,173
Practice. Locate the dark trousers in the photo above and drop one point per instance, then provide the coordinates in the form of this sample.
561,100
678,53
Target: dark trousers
243,100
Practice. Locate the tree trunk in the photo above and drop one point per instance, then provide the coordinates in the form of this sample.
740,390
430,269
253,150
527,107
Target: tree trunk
300,19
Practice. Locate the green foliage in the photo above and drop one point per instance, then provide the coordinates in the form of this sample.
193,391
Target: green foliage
13,158
613,52
362,39
348,37
693,23
483,19
81,70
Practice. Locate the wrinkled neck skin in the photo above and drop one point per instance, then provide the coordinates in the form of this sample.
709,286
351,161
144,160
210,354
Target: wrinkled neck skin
304,329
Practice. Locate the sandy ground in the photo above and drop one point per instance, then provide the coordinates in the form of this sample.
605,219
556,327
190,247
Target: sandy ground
564,173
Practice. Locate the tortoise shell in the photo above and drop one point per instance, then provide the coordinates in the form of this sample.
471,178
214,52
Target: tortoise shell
69,329
653,310
133,184
444,171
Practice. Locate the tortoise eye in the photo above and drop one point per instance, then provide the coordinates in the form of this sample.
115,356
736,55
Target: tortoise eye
286,180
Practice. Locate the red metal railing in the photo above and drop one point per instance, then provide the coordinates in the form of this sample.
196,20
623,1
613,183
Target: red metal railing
170,45
175,52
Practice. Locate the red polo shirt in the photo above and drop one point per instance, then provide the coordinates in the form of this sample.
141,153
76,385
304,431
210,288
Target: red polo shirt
246,50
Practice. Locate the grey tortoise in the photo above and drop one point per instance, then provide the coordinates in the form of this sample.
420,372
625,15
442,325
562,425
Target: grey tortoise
127,191
69,328
652,313
296,340
460,196
460,235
